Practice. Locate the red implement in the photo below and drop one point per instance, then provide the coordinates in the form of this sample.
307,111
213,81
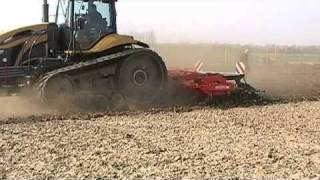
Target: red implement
207,84
213,84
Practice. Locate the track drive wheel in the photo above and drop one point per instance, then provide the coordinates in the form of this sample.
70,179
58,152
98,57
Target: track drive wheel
141,78
57,92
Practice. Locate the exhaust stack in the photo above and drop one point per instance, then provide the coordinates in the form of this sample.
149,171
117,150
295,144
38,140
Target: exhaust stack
45,7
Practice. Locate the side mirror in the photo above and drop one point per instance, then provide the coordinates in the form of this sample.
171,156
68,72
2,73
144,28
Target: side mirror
81,23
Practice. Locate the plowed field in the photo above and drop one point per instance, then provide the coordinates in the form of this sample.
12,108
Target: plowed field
279,140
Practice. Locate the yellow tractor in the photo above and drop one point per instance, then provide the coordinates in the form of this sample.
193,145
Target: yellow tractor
79,54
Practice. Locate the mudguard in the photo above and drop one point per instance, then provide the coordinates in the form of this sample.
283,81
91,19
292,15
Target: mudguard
112,41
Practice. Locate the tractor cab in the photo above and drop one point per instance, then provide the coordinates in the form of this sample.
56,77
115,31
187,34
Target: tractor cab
82,23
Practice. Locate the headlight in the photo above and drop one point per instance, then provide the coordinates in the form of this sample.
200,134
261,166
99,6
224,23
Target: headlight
1,51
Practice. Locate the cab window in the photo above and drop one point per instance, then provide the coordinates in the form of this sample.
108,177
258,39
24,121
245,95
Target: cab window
97,18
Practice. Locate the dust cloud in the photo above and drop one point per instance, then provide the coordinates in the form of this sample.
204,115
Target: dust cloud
290,81
18,106
283,80
276,80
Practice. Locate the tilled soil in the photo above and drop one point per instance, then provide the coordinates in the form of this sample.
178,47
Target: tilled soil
279,140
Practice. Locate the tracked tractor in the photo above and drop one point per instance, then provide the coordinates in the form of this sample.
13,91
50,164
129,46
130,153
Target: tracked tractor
80,53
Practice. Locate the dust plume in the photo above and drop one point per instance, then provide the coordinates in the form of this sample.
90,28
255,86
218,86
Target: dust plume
278,79
17,106
289,81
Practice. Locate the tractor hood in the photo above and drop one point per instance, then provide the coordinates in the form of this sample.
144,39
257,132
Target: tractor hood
14,37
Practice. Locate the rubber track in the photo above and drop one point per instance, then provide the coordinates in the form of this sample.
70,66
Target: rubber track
42,81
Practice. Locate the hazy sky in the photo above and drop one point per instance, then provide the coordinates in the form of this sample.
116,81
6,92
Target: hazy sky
223,21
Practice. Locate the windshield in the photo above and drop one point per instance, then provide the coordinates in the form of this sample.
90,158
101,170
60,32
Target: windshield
62,12
97,17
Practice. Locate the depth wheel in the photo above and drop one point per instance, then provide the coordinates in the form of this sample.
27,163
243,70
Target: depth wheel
142,78
57,92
